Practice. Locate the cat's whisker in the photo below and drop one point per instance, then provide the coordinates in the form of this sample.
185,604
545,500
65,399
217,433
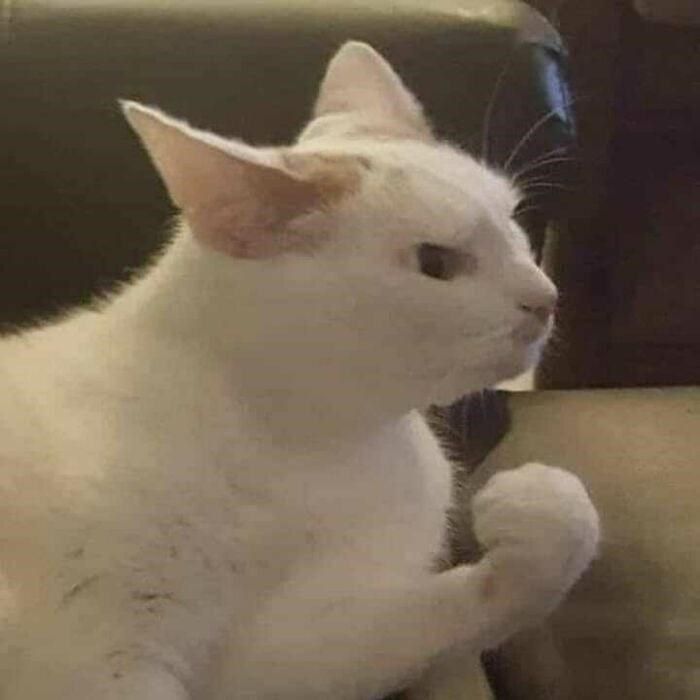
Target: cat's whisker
527,210
529,172
542,157
542,183
532,206
536,171
535,177
533,130
545,177
546,185
542,164
528,135
488,114
554,153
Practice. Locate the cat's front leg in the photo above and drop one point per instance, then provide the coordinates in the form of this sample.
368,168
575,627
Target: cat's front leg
457,676
61,676
339,633
540,531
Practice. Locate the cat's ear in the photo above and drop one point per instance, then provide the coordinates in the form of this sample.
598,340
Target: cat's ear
235,198
359,81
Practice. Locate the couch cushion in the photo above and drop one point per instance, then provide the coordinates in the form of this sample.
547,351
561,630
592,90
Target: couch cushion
631,629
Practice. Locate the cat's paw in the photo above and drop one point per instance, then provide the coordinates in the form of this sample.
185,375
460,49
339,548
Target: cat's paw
539,528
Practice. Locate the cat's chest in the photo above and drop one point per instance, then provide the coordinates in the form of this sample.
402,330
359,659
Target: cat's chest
384,501
250,517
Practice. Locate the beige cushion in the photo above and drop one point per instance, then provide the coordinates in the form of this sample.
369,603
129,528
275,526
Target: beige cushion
631,629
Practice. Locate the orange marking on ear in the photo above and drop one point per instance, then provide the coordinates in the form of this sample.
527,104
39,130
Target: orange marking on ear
334,177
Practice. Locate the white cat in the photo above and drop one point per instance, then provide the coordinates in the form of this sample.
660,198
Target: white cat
216,485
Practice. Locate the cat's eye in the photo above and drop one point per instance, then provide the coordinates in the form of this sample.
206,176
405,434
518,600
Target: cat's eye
442,263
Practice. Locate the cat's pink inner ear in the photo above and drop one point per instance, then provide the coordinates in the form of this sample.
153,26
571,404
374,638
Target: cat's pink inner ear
234,198
360,82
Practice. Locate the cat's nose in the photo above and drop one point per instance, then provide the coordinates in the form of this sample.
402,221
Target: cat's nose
533,293
540,304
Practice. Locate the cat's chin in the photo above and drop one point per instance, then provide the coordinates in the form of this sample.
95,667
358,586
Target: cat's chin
523,359
520,360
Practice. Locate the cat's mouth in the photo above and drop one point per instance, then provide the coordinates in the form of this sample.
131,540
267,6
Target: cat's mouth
532,331
501,353
523,347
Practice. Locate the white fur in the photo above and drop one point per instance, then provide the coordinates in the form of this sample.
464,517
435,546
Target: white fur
216,485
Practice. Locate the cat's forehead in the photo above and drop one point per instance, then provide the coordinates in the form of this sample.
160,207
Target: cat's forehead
431,165
458,174
424,191
457,193
447,169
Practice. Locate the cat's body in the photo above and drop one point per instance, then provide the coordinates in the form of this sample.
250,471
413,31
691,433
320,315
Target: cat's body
173,524
215,486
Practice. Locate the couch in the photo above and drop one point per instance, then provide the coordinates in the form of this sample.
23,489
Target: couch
631,627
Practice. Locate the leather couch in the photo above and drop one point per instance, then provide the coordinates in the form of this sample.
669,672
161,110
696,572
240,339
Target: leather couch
78,192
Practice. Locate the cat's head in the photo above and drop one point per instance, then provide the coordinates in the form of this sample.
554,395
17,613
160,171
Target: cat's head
367,254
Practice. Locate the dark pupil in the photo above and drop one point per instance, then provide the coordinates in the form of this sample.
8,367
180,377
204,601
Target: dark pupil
432,260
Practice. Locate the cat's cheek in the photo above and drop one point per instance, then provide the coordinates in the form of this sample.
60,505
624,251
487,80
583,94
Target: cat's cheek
522,360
